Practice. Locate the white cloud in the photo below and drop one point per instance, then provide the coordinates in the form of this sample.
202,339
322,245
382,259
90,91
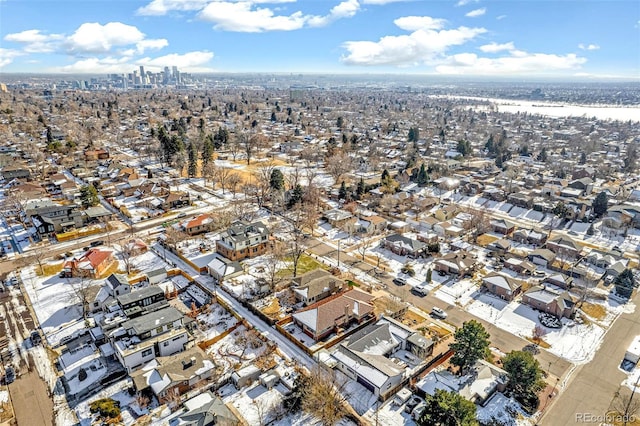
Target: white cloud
152,43
501,17
476,12
345,9
519,62
414,23
495,47
7,56
420,46
191,62
92,37
187,61
466,2
162,7
588,46
243,17
35,41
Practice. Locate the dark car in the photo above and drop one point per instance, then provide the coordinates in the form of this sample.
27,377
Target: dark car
412,403
9,375
35,337
97,243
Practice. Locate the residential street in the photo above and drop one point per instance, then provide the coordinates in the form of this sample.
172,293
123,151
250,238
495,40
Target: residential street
500,339
592,386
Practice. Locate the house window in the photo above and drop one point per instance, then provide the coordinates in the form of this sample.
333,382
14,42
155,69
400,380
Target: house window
255,249
165,344
146,352
159,329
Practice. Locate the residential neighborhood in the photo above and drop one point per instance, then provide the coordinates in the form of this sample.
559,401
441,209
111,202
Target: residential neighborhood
233,253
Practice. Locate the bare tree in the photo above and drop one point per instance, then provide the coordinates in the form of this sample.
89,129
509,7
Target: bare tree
364,245
174,237
272,262
222,177
209,173
233,181
82,291
324,396
234,145
126,254
338,164
296,240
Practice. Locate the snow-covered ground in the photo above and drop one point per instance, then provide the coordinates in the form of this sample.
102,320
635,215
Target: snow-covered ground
457,292
257,404
574,342
214,322
55,303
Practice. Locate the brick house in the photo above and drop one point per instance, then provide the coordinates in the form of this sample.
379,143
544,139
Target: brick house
243,240
502,286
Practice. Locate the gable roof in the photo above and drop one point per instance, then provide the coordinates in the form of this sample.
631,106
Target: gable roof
321,316
502,281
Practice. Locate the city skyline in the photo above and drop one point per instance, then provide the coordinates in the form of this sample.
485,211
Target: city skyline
539,39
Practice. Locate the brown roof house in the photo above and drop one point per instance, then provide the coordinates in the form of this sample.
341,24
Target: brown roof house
502,286
199,224
329,316
91,264
315,285
563,245
460,263
550,301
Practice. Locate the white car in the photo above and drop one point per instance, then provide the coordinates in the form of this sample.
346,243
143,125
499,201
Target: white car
421,289
438,312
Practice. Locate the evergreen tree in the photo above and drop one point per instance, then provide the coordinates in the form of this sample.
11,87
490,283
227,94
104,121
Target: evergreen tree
193,160
447,409
542,156
297,194
361,188
207,150
583,158
525,377
625,283
600,204
471,344
89,196
428,278
273,117
342,194
276,181
591,230
340,122
414,134
464,147
422,178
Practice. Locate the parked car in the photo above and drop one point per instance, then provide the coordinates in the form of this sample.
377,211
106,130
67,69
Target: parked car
97,243
400,280
412,403
421,289
435,311
35,337
9,375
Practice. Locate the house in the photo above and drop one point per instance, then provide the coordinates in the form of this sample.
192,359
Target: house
140,340
117,284
199,224
562,245
15,172
520,266
176,200
92,264
499,247
340,219
96,214
315,285
49,217
446,213
371,225
136,247
330,316
502,226
448,229
550,301
138,302
459,263
174,375
502,286
559,280
156,276
376,355
206,409
542,257
221,268
404,246
242,240
529,236
96,154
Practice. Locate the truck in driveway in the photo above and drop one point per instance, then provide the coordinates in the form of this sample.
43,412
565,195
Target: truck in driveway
633,351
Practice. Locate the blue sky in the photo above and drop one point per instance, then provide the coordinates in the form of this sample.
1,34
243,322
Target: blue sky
509,38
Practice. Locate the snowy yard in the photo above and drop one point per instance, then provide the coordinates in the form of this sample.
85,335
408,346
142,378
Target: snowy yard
574,342
457,292
257,404
55,303
214,322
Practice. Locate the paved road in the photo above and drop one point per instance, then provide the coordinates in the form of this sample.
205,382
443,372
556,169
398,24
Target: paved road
500,338
29,394
593,385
